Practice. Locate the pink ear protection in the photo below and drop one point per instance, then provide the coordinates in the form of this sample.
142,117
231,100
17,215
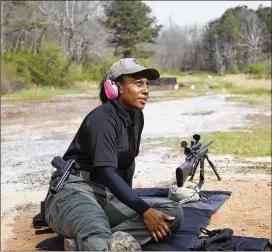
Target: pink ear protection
111,89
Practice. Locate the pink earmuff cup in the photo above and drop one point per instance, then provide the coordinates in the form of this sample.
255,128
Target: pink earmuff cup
111,89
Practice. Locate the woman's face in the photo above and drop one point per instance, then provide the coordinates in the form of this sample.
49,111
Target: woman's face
133,92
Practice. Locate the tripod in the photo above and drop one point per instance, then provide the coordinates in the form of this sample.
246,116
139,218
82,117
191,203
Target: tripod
200,162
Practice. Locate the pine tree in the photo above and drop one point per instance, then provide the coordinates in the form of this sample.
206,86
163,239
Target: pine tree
131,24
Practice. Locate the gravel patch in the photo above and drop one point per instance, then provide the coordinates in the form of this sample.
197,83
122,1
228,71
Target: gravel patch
27,164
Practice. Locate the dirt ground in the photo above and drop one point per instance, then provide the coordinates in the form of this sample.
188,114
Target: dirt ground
247,211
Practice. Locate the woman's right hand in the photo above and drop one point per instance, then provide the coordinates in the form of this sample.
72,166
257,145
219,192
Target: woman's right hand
155,222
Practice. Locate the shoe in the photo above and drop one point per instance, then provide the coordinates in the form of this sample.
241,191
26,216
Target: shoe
121,241
70,245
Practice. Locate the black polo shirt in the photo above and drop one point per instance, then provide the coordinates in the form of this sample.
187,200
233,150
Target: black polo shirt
109,136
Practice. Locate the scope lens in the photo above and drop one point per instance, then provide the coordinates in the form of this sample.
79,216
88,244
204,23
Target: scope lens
183,144
196,137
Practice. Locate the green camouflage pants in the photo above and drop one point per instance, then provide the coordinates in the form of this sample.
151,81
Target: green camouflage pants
89,213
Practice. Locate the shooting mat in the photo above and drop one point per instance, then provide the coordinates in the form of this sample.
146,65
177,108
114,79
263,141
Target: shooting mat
196,215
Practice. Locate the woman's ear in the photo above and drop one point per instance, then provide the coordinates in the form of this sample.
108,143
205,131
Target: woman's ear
120,87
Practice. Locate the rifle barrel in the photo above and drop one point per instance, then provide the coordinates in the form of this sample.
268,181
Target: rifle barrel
204,146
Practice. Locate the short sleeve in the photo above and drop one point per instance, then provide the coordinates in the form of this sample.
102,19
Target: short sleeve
102,138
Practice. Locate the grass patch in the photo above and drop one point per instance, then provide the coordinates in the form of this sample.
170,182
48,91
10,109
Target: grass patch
215,81
256,91
181,93
187,93
246,82
256,143
203,85
252,99
44,93
244,144
237,83
162,99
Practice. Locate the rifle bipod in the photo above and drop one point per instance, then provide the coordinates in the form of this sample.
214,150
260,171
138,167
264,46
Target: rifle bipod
200,163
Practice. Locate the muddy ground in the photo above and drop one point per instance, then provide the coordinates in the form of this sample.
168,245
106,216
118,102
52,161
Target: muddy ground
33,133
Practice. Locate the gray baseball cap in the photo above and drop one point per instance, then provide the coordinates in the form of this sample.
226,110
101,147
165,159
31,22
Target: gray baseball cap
130,66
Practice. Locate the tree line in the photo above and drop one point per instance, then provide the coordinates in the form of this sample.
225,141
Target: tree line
232,42
58,42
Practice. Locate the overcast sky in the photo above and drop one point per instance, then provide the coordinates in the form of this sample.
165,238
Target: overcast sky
195,12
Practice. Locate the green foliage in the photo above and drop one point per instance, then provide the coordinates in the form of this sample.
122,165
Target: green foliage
143,54
97,70
10,81
228,31
131,24
47,69
32,25
230,26
145,62
107,63
175,72
226,84
44,68
8,71
258,68
95,73
264,14
235,70
75,74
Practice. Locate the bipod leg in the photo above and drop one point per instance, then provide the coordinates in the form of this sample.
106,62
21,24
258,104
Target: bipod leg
213,167
193,171
201,173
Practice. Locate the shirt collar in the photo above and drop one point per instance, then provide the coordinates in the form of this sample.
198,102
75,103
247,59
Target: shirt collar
128,116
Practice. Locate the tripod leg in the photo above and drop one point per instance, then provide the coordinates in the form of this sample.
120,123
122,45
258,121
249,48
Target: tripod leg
213,167
193,171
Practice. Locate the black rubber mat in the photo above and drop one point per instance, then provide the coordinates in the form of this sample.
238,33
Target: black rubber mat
196,216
